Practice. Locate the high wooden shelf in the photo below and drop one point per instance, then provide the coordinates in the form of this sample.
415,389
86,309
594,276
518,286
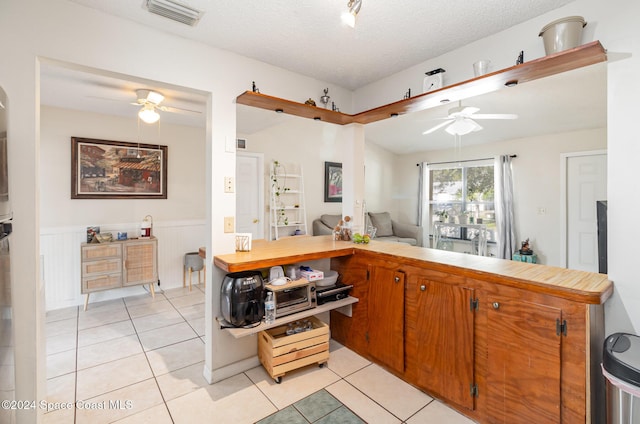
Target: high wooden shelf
578,57
264,101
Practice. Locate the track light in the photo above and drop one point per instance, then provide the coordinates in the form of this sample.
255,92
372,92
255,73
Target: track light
148,114
349,17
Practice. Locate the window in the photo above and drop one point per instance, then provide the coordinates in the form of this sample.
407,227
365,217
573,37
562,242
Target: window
463,194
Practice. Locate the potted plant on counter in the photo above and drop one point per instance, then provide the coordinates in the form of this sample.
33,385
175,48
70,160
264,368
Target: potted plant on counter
442,215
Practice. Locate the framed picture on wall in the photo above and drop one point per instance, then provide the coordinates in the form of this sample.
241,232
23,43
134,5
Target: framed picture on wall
102,169
332,182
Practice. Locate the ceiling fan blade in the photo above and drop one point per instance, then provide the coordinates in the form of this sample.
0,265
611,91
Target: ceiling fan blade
104,98
495,116
468,110
177,109
437,127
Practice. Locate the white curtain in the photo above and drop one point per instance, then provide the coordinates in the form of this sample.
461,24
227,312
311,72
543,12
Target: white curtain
505,225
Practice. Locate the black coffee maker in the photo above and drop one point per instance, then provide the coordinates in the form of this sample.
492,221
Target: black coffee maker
241,298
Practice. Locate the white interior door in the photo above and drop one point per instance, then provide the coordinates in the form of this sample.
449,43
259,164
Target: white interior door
586,184
250,194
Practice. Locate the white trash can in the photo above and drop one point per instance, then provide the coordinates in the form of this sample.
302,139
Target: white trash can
621,368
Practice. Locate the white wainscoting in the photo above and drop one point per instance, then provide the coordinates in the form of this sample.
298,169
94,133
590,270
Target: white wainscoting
60,258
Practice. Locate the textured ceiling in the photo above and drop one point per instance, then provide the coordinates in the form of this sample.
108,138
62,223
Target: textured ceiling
308,37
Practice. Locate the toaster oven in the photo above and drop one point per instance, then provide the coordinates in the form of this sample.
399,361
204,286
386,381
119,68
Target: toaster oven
294,296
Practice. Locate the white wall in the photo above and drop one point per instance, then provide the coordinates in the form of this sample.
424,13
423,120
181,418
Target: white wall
186,170
533,188
306,143
178,221
381,192
622,312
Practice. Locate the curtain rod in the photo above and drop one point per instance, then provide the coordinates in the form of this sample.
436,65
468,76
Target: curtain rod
460,161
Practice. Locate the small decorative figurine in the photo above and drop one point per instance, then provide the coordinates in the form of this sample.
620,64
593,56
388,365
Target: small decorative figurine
407,95
520,59
254,88
525,249
334,108
310,102
325,99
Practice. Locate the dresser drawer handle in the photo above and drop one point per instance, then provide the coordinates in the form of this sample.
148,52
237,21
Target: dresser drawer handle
496,305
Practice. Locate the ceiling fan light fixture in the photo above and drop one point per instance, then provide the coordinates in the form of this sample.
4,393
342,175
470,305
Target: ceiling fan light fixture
349,17
175,11
155,97
463,126
150,96
148,114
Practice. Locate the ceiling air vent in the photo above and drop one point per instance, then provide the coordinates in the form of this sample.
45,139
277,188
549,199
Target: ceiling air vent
174,11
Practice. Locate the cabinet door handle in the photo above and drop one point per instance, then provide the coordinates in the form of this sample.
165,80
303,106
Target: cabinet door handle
423,287
496,305
397,279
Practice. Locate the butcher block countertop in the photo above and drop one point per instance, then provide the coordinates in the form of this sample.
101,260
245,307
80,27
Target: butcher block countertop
580,286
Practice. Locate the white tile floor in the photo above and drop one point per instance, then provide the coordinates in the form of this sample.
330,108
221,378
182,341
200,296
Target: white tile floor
140,360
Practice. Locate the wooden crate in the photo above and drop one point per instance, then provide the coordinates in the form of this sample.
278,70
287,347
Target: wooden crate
280,353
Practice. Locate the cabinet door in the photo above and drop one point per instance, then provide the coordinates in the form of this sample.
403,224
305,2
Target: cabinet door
523,352
386,316
445,340
140,263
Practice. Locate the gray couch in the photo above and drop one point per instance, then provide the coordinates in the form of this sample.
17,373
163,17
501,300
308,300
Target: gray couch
387,229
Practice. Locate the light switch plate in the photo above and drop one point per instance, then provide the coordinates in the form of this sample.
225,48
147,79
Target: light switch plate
229,224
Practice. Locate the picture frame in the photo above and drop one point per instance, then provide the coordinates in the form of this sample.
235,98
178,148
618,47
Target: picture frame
332,182
104,169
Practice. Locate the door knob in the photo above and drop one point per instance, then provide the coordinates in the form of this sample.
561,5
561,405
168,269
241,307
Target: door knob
256,220
496,305
397,279
423,287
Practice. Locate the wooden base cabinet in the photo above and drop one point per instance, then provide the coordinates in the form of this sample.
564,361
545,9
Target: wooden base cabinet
440,336
523,367
495,349
118,264
385,333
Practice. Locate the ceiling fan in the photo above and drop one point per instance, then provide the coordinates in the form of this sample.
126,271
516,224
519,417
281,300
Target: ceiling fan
461,120
149,101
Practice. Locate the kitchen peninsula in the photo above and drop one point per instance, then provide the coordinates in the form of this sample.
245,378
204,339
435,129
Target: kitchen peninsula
500,341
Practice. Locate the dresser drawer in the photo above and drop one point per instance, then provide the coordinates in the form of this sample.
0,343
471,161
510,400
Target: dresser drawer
104,266
101,282
101,251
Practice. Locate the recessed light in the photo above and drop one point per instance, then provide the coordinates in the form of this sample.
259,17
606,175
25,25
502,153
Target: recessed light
316,118
394,115
511,83
443,101
279,110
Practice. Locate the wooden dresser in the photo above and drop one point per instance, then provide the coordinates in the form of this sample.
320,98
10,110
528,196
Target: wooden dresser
118,264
